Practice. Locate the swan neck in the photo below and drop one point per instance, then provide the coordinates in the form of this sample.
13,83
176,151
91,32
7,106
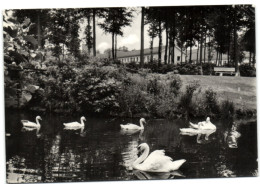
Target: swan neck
82,122
142,157
37,121
141,124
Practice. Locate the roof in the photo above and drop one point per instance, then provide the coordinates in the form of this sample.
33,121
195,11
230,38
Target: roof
213,54
122,54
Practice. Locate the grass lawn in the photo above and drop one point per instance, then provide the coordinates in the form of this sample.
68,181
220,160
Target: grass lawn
240,90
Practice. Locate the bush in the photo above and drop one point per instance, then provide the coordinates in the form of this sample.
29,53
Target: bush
227,109
133,66
211,104
153,86
185,104
208,68
189,69
247,70
175,84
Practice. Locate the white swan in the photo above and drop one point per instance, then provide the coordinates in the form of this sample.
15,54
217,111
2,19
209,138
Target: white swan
204,125
130,126
27,123
156,161
75,124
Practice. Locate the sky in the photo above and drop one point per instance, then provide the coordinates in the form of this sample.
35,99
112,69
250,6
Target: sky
131,38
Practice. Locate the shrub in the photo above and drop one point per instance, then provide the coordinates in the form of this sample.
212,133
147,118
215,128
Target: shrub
185,103
133,66
227,109
153,86
208,68
211,104
247,70
175,84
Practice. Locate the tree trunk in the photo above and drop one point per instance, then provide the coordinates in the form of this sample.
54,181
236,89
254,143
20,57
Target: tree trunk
169,50
198,53
113,44
186,54
205,47
151,51
217,58
142,39
190,53
94,32
166,46
181,54
39,30
250,55
173,50
221,62
235,43
209,50
201,46
88,36
253,58
160,43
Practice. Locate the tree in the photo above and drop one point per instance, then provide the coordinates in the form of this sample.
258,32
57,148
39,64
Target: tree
39,19
114,20
142,39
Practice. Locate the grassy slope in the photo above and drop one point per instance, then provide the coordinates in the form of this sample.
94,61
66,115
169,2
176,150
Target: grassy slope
240,90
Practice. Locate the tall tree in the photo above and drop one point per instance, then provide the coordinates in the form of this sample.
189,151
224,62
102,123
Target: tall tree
114,20
142,38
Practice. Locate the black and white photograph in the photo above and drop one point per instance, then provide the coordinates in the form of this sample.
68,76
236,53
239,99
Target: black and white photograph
128,93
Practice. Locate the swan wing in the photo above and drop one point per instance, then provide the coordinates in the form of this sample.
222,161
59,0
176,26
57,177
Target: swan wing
28,123
72,124
130,126
157,162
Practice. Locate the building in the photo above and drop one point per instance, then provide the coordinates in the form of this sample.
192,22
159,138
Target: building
134,55
212,58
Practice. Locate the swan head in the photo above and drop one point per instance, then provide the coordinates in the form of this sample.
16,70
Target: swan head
208,120
142,147
142,120
83,118
38,118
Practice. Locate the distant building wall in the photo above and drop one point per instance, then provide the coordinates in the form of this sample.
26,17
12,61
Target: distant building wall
147,57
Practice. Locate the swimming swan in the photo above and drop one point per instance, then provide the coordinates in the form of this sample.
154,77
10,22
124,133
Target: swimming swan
75,124
156,161
27,123
204,125
130,126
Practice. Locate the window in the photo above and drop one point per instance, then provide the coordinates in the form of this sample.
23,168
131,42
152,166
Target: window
148,58
136,58
178,58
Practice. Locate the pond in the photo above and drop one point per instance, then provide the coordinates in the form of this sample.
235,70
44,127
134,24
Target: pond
101,151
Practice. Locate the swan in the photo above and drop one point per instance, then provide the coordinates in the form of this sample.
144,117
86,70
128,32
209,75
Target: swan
75,124
156,161
27,123
204,125
130,126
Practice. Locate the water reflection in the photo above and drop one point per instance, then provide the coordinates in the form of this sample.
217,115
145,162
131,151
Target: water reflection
37,129
142,175
202,135
102,152
77,130
129,152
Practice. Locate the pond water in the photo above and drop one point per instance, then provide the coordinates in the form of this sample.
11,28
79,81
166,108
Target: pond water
101,151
